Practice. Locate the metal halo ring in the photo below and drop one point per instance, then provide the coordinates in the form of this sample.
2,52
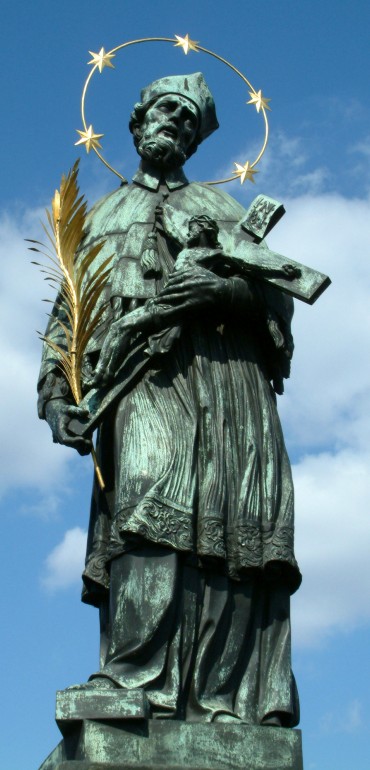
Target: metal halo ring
91,140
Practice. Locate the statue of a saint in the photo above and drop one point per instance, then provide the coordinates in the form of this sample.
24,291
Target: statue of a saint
190,548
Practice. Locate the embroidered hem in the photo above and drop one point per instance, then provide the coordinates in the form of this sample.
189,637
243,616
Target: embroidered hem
245,547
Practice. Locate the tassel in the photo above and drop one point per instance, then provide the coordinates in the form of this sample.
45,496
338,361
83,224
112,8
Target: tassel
276,333
149,260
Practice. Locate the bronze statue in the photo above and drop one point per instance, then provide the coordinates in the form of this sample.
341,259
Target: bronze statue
190,550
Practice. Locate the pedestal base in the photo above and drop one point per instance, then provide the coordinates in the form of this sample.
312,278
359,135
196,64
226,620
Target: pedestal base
172,745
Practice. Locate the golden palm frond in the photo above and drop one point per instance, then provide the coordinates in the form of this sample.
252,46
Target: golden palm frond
80,294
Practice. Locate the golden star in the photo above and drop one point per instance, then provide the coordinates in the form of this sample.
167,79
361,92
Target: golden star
259,100
186,44
244,172
89,139
102,59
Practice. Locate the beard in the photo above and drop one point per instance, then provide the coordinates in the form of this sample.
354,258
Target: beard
162,151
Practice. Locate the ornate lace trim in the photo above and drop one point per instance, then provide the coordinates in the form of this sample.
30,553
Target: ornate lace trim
158,521
96,568
249,545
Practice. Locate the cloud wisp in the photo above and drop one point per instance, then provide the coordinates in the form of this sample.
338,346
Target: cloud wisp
64,564
344,720
29,458
332,542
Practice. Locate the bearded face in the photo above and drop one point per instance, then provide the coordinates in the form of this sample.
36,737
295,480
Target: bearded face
168,129
161,151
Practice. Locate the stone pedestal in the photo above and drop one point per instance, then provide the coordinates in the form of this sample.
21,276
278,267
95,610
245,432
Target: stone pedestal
106,741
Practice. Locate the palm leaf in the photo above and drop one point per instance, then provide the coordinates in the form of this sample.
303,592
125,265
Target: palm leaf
79,301
80,294
93,325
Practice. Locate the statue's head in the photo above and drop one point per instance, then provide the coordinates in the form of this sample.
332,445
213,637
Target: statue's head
202,231
174,116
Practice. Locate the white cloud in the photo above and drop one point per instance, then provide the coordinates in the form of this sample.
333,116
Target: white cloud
312,182
332,544
363,147
28,457
64,565
327,403
360,162
326,414
45,507
286,169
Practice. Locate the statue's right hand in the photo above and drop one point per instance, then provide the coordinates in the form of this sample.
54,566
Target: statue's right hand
58,414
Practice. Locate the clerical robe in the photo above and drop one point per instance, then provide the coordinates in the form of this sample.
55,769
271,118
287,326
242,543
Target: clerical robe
198,484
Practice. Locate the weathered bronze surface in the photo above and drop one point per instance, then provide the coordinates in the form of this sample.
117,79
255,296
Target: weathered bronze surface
168,745
190,554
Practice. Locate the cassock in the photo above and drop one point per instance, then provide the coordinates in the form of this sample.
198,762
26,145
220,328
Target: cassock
190,549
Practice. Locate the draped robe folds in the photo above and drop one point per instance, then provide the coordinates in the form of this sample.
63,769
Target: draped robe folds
199,498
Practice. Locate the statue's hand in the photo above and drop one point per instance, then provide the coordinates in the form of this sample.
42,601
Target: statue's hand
58,415
195,287
115,345
112,353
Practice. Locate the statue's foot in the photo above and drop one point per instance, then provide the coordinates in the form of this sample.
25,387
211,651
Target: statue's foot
98,683
274,719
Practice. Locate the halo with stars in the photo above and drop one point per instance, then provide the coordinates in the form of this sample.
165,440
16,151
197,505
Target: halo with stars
88,137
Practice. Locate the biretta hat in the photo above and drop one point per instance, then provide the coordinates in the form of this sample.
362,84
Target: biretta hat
193,87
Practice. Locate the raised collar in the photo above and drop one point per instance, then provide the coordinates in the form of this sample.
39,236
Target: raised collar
151,177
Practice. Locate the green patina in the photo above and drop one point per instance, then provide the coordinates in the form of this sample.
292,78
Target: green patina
190,554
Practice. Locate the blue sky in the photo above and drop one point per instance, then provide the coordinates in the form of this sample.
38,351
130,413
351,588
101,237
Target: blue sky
312,59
